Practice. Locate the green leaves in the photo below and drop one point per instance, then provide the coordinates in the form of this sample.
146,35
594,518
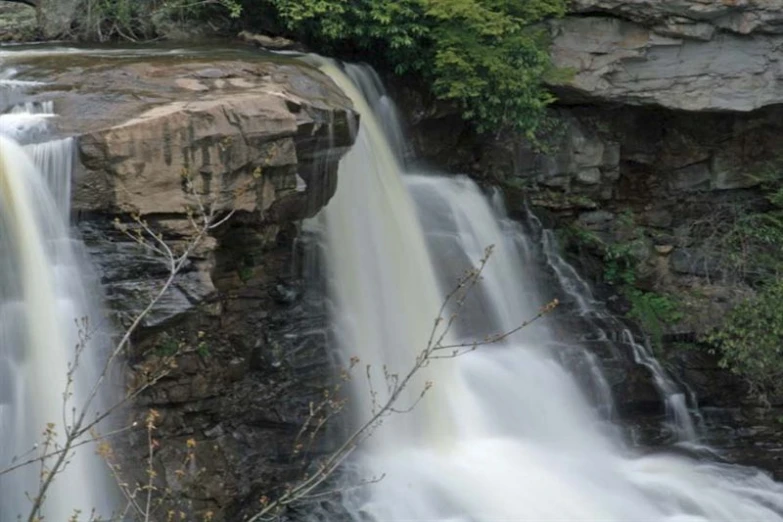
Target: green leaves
751,340
486,56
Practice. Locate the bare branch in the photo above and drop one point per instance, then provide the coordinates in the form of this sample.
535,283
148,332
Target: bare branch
438,334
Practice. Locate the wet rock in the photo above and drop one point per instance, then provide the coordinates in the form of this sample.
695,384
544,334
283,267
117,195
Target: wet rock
660,218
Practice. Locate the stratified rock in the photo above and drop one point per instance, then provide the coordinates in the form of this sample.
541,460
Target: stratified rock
693,18
256,137
618,61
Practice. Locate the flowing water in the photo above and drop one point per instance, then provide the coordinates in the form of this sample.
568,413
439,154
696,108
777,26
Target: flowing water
510,432
44,298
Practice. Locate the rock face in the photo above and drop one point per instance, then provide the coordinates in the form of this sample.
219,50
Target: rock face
737,16
669,130
159,137
688,55
256,138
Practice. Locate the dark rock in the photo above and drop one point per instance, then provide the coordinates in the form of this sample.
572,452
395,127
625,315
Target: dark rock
596,218
695,262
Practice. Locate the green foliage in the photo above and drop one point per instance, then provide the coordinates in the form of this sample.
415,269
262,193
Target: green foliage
245,273
653,311
486,56
489,57
202,348
755,239
619,264
750,341
166,346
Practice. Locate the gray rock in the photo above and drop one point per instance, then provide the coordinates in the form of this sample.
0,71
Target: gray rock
619,61
693,177
595,218
685,28
730,169
55,17
742,17
660,218
591,176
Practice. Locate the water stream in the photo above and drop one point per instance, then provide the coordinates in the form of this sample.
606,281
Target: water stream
44,299
509,432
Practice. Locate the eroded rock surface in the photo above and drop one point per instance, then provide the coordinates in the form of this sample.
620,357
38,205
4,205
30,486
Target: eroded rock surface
690,55
256,136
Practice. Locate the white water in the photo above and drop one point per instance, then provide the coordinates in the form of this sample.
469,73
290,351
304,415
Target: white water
43,293
507,433
675,399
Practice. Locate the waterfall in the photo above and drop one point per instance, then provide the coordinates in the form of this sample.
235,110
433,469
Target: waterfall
44,291
509,432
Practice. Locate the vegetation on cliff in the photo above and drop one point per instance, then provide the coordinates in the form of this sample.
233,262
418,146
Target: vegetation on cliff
488,57
750,341
484,55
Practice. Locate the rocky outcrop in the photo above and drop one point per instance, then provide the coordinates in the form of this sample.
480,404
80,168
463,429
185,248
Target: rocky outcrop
736,16
687,55
256,138
251,136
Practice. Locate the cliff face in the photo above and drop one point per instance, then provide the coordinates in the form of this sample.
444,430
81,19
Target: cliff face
687,55
667,133
670,128
255,136
672,119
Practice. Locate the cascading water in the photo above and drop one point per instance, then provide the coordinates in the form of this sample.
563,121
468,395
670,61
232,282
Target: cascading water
508,432
43,293
610,329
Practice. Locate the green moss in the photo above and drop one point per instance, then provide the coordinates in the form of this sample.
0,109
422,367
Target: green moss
245,273
653,311
166,346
